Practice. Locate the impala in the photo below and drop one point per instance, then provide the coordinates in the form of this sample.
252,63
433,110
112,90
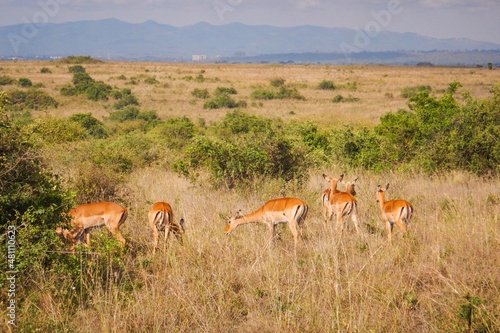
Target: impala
394,211
93,215
161,219
283,210
339,203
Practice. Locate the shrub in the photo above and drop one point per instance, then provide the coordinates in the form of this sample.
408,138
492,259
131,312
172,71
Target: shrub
84,84
277,82
57,130
98,91
200,93
79,60
246,148
441,134
129,112
326,85
96,183
25,82
32,204
125,98
77,69
31,99
6,80
223,90
409,92
175,132
223,101
94,127
45,70
151,80
282,92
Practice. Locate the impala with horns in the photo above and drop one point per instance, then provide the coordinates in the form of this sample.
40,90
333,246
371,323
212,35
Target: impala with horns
283,210
397,212
94,215
338,203
161,219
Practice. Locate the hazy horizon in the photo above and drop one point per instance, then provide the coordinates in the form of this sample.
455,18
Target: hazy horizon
477,20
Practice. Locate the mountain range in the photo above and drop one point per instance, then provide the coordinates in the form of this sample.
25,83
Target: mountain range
115,39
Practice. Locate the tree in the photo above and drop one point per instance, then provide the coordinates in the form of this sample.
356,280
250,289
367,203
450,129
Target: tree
32,201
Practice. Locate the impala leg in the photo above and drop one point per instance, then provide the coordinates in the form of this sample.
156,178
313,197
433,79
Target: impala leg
293,228
116,232
325,216
389,230
176,229
354,218
167,233
87,237
401,225
155,239
340,222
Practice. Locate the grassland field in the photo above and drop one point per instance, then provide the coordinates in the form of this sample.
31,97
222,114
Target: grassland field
443,276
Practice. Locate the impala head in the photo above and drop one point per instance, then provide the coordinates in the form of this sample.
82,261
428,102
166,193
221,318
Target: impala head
333,181
351,186
230,225
380,192
66,237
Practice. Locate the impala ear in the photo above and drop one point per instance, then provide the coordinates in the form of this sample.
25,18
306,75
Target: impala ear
387,186
379,188
341,177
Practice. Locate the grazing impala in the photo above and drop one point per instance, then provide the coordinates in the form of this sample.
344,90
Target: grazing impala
394,211
339,203
93,215
283,210
161,218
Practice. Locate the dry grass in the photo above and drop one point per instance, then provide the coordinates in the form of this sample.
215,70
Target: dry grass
244,283
377,87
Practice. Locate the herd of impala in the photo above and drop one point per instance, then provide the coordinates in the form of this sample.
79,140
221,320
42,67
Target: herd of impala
282,210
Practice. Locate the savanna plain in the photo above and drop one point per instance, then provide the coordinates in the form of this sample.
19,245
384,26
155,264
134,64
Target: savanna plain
441,276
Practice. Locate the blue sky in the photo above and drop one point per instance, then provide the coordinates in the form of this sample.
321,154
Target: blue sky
474,19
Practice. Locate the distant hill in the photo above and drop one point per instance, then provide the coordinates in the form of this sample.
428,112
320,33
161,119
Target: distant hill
115,39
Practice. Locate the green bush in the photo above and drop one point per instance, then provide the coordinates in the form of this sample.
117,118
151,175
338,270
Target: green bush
79,60
45,70
57,130
94,127
125,98
277,82
32,204
200,93
224,90
6,80
223,101
84,84
326,85
127,113
25,82
246,148
151,80
174,133
31,99
442,134
77,69
409,92
282,92
98,91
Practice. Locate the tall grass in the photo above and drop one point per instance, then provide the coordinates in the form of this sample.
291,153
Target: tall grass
422,282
